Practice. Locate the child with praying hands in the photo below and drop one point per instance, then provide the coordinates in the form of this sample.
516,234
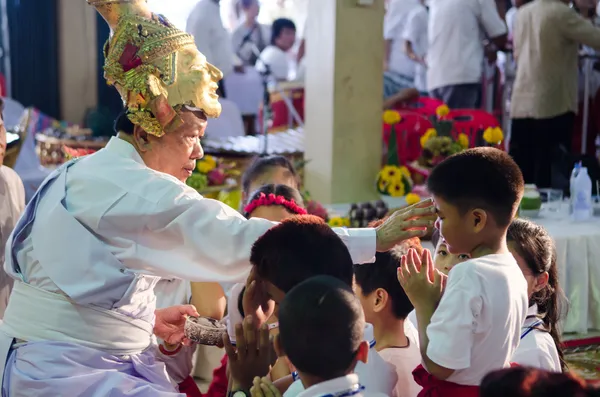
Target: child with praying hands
321,333
474,326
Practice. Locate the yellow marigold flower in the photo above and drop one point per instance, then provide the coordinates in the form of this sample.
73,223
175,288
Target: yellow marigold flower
412,198
430,133
207,164
346,222
493,136
498,135
382,184
463,140
336,221
488,135
391,117
396,189
442,111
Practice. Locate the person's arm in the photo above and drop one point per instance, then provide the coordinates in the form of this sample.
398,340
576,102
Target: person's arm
492,23
301,50
209,299
446,332
416,26
391,30
578,29
202,29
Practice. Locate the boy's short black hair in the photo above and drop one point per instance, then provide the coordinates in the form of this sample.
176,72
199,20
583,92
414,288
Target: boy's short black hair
300,248
482,177
278,26
383,274
321,326
260,165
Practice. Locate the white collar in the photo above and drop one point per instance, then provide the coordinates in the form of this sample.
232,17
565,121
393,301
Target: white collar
333,386
123,148
369,335
532,310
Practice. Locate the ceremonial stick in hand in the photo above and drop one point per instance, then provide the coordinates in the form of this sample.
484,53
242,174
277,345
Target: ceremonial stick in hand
170,322
413,221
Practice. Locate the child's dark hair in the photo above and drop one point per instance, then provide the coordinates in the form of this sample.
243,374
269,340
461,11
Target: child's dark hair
261,165
383,274
534,382
288,193
533,243
321,327
300,248
278,26
482,177
123,124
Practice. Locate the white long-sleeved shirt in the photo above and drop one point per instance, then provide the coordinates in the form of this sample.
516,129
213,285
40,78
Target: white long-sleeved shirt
154,224
212,39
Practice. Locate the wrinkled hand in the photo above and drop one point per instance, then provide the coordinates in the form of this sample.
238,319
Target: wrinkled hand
413,221
422,283
256,301
262,387
170,322
251,357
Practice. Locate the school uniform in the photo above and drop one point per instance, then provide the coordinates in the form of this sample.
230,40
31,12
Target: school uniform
345,386
404,360
537,348
377,375
477,325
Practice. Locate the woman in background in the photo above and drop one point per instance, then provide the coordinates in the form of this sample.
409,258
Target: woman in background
250,33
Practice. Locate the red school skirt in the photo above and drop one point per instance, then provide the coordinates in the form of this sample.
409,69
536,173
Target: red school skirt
433,387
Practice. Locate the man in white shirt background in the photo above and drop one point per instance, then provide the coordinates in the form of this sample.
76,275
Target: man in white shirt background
399,69
457,30
212,39
415,43
276,57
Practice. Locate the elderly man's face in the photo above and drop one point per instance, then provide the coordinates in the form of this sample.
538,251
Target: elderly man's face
176,152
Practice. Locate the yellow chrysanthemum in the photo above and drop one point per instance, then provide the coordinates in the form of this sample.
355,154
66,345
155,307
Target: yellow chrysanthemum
412,198
336,221
390,173
396,189
405,172
442,111
493,136
430,133
391,117
382,185
207,164
463,140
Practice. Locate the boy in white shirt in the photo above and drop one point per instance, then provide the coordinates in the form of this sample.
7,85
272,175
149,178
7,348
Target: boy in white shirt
386,306
321,326
276,56
475,326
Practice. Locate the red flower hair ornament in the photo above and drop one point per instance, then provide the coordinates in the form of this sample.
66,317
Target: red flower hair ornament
271,199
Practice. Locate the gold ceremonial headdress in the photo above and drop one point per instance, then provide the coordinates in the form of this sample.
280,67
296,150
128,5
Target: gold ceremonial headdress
156,67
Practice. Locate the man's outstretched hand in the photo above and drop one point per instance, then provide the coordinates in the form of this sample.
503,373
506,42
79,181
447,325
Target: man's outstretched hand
170,322
413,221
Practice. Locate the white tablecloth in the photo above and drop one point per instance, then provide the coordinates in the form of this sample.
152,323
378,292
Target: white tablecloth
578,261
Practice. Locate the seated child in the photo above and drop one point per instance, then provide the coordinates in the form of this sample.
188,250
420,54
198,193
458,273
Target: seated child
274,203
321,334
475,326
534,250
386,306
296,250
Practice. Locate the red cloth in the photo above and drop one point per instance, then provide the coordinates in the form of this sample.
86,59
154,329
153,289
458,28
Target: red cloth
189,387
218,387
433,387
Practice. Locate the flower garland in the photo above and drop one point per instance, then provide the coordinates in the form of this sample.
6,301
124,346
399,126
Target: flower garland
271,199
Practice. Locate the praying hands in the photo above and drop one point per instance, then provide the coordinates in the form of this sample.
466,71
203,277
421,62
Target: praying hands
422,283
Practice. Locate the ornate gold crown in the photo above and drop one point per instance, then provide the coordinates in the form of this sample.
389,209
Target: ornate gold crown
156,67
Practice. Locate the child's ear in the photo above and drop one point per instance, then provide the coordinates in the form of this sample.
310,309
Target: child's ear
381,298
541,281
363,352
479,219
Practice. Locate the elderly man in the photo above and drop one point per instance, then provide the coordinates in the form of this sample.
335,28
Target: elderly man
102,230
12,203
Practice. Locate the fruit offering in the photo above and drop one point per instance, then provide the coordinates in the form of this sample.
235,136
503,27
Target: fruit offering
361,214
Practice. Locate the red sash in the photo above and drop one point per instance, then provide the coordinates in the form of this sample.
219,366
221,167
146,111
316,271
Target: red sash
189,388
433,387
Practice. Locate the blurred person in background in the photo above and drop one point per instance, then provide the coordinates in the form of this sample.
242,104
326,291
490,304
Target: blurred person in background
250,33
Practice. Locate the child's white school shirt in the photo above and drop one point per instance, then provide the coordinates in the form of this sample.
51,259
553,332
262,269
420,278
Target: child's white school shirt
537,348
378,376
346,386
405,360
477,325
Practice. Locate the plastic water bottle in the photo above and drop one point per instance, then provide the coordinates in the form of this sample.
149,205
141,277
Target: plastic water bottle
582,199
574,173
